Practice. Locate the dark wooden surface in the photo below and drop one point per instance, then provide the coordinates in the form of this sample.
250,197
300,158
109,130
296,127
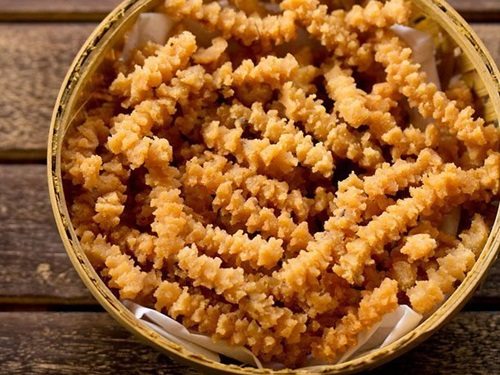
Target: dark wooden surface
34,58
49,322
55,10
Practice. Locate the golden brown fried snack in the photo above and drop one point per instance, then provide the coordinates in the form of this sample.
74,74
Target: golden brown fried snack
280,198
432,103
249,29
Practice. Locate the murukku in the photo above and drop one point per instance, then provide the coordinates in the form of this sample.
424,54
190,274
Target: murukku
452,183
270,30
433,103
214,170
325,127
258,154
271,185
330,29
351,102
157,69
336,340
255,218
130,133
216,319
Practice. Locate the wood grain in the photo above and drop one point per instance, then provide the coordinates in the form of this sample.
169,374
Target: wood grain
33,264
81,343
469,344
35,273
34,267
55,10
75,343
477,10
34,59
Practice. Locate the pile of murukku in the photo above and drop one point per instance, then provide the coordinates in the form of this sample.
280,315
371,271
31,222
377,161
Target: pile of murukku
259,177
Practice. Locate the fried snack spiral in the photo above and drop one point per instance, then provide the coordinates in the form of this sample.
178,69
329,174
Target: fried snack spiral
433,103
263,184
352,104
325,127
452,183
218,320
372,307
212,170
271,126
155,70
236,24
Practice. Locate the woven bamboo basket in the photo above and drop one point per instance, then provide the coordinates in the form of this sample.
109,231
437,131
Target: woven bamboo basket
435,16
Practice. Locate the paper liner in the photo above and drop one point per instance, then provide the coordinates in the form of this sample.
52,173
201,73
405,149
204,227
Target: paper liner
155,27
199,344
392,327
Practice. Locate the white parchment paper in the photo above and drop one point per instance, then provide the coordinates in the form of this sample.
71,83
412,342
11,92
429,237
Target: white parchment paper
392,327
197,343
156,27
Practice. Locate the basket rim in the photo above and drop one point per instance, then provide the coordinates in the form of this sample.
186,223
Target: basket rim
86,59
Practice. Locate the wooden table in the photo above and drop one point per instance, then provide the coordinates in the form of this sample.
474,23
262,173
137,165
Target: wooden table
49,322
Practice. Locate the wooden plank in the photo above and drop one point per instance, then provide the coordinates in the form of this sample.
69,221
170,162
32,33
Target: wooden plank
75,343
469,344
34,59
80,343
34,267
477,10
33,264
55,10
69,10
